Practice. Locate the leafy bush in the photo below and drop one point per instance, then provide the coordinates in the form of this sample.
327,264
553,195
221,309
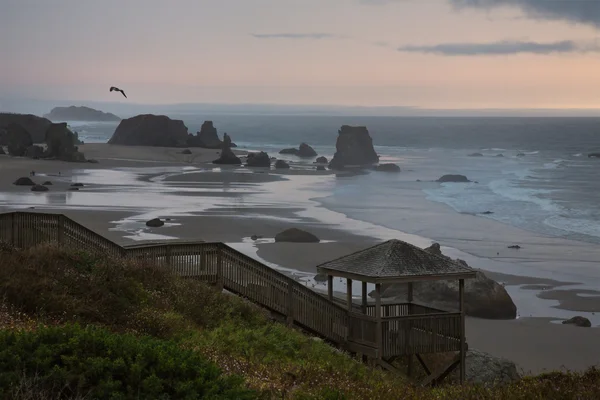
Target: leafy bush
95,362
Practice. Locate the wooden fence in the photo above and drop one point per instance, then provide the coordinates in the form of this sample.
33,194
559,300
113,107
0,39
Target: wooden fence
406,328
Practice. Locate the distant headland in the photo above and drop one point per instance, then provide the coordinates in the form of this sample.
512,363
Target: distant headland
74,113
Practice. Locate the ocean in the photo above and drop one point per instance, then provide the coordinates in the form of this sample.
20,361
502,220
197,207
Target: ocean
533,174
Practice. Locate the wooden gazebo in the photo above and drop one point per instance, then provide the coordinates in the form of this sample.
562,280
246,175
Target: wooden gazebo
383,332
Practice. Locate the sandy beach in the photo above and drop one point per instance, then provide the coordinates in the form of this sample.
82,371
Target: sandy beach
130,185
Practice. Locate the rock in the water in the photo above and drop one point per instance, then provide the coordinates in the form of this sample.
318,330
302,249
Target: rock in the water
484,369
354,146
520,154
280,164
74,189
306,151
39,188
34,125
155,223
484,297
290,150
321,168
150,130
387,168
500,155
487,212
24,181
321,160
47,183
18,140
258,160
255,237
453,178
92,161
514,246
34,151
594,155
74,113
296,235
579,321
207,137
77,184
186,151
62,144
475,155
227,155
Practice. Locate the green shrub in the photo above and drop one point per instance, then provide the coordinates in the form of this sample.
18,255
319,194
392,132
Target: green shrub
104,365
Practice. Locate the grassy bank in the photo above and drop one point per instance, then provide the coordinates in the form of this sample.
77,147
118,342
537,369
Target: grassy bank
69,322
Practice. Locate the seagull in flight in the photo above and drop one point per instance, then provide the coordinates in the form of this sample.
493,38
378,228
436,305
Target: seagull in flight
112,88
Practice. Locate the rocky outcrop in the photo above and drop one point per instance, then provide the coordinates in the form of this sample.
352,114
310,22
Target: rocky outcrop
296,235
304,150
453,178
18,140
387,168
24,181
486,370
61,144
150,130
258,160
34,125
280,164
321,160
74,113
227,155
354,147
484,297
155,223
578,321
34,151
206,138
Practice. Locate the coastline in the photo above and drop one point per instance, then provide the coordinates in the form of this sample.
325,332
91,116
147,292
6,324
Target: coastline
230,204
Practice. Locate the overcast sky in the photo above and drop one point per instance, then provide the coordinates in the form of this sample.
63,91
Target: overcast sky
425,53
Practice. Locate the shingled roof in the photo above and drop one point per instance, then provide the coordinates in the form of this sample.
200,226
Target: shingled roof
396,260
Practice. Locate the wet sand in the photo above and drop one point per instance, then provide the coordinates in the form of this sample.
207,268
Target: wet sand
130,185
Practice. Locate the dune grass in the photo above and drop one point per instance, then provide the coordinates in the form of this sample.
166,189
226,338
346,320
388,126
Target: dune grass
48,293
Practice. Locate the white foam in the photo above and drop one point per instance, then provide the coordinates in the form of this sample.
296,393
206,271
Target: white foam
506,189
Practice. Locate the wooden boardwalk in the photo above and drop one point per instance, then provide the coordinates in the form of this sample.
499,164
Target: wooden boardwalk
407,328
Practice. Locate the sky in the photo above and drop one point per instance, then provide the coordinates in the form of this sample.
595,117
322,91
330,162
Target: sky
440,54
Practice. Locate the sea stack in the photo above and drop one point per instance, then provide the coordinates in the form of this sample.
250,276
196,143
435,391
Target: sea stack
354,147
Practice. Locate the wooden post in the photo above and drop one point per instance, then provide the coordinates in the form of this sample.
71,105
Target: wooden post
330,287
290,303
168,255
461,294
349,293
60,229
378,335
364,297
220,268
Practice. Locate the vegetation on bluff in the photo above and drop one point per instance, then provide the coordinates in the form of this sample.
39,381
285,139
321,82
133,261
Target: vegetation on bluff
78,326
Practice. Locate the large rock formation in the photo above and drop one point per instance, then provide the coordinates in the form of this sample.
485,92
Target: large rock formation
18,140
453,178
34,125
227,155
354,146
261,159
150,130
296,235
74,113
61,144
206,138
484,297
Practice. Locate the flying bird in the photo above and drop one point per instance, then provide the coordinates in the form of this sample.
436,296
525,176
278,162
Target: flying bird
118,90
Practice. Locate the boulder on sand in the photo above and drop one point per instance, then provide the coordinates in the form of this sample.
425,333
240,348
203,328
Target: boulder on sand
258,160
296,235
484,297
487,370
18,140
280,164
150,130
354,147
24,181
227,155
453,178
578,321
155,223
321,160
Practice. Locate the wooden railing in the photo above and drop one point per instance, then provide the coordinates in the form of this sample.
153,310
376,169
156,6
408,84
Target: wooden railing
405,328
